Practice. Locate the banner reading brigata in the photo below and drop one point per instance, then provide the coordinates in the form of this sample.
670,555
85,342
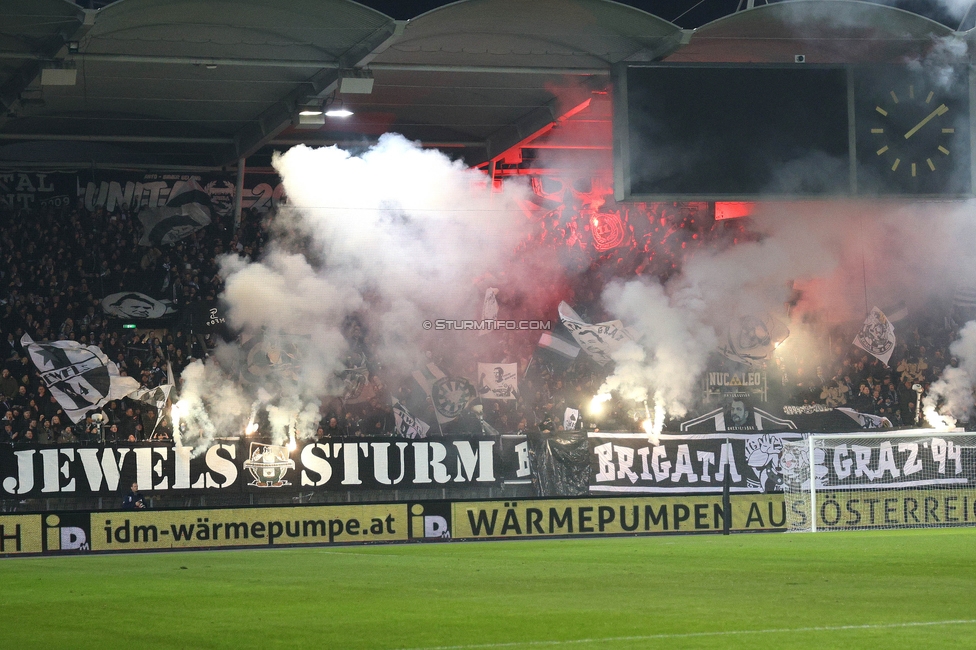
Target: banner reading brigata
242,466
631,462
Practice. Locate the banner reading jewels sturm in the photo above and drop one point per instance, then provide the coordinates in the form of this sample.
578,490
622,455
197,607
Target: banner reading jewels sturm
245,466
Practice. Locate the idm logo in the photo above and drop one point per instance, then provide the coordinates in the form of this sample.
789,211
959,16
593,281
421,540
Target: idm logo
61,535
430,521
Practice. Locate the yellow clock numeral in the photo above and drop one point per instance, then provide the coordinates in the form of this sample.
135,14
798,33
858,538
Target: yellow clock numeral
882,150
948,130
895,166
914,171
931,164
943,150
929,98
911,92
894,96
881,110
877,130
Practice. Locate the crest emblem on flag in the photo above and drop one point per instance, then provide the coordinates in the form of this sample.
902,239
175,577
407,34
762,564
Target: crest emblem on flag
451,395
877,336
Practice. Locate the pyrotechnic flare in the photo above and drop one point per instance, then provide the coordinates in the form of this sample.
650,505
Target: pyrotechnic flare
596,404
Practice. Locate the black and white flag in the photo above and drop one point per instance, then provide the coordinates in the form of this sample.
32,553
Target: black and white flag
489,310
877,336
498,380
155,397
752,339
598,340
570,418
866,420
80,377
407,426
187,211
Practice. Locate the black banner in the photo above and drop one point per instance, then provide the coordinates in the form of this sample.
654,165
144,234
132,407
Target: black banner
633,463
114,189
895,462
38,190
243,466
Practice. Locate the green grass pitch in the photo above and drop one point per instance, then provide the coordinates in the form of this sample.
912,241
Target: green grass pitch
885,589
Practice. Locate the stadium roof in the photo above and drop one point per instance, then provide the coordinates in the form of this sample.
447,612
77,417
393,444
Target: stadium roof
189,84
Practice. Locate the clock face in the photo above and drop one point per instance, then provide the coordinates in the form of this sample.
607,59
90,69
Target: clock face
912,137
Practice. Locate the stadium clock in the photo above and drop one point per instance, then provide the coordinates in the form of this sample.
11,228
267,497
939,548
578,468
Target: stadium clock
912,136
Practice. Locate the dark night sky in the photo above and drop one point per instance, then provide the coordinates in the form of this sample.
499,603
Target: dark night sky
684,13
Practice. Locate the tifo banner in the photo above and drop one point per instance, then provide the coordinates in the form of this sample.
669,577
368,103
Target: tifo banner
136,305
498,380
112,189
894,463
858,509
631,462
244,466
614,516
737,385
38,190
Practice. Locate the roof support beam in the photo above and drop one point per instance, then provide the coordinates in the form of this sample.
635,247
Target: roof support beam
28,72
279,116
318,64
534,124
111,138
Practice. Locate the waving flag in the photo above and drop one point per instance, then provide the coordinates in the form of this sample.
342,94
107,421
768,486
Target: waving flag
187,211
80,377
598,340
877,336
752,339
407,426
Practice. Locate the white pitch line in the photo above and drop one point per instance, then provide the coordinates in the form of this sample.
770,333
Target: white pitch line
684,635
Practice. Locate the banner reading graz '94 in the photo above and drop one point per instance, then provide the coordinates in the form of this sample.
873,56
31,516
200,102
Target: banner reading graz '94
363,463
892,462
631,462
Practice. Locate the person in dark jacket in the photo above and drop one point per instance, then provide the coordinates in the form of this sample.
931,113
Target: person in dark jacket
134,499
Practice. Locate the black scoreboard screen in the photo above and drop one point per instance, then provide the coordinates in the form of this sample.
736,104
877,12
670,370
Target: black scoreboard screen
710,132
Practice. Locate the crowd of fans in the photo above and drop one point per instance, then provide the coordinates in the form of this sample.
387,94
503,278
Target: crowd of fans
57,266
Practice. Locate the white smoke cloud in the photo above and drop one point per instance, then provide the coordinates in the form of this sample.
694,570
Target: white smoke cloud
395,236
665,363
846,255
950,398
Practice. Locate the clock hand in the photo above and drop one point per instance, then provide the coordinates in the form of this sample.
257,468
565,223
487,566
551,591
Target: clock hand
941,110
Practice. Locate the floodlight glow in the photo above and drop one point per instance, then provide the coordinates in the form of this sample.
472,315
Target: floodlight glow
338,112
